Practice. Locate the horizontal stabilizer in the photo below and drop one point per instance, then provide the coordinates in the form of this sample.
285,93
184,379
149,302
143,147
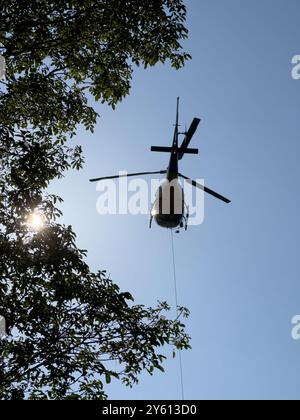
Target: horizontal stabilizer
161,149
181,151
188,151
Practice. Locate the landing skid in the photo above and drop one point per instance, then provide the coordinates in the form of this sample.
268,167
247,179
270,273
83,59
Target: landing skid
151,220
185,223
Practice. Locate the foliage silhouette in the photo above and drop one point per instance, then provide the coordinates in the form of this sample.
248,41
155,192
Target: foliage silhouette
66,324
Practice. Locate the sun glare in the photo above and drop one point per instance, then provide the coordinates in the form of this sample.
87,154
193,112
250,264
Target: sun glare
35,221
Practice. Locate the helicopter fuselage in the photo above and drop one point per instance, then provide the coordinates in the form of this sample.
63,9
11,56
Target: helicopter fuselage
169,207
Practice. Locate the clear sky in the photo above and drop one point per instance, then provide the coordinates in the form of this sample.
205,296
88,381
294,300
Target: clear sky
239,272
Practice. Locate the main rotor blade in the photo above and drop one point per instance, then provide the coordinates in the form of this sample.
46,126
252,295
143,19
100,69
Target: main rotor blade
128,175
205,189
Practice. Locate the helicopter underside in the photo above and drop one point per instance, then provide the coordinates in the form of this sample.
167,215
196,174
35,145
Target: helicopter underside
169,209
169,221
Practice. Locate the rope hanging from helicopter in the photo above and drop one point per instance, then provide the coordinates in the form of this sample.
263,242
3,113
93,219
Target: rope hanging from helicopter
177,312
173,219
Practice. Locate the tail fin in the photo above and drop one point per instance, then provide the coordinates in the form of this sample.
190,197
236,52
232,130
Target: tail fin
189,135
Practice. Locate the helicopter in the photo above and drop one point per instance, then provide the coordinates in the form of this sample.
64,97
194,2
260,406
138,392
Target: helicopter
169,208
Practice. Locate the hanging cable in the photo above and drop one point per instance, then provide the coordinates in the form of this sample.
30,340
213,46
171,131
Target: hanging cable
177,313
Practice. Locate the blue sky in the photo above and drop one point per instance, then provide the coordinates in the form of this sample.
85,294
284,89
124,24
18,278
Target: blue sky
238,273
